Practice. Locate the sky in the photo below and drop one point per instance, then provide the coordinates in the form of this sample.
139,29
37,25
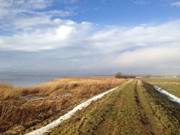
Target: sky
90,37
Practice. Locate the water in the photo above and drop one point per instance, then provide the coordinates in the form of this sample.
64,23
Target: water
25,80
30,79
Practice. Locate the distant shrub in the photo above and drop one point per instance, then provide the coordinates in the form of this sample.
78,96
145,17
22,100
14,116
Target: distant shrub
120,75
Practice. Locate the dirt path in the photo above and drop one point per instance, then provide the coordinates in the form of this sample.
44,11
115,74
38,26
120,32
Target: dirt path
134,109
69,114
144,120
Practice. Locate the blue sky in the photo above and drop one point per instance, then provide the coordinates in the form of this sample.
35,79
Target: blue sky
118,12
90,36
126,12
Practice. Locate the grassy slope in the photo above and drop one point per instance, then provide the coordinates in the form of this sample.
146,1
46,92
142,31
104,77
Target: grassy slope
135,108
172,85
30,108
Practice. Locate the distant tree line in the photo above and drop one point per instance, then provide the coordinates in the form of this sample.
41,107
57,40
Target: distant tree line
120,75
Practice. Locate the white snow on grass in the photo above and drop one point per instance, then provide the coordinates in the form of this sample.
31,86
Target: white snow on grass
68,115
169,95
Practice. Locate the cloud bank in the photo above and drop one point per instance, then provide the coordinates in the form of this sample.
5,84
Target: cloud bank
68,45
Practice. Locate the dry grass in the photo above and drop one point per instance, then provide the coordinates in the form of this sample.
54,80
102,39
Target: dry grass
172,85
7,91
135,108
21,109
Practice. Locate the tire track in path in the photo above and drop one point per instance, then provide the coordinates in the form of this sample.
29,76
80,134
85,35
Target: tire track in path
144,120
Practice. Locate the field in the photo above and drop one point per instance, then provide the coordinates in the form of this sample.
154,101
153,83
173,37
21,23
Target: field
25,109
172,85
134,108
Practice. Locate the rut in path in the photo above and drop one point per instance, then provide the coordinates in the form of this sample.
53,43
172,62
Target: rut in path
141,112
166,111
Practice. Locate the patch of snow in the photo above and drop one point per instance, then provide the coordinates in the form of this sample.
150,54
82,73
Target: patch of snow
68,115
169,95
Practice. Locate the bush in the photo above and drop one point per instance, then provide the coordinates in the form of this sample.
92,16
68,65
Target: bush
120,75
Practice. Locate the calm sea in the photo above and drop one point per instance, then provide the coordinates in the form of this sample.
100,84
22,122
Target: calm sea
25,80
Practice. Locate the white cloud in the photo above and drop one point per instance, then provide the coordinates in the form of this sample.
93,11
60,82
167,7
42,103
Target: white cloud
140,46
119,38
107,39
151,57
63,34
16,6
22,14
176,4
143,47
